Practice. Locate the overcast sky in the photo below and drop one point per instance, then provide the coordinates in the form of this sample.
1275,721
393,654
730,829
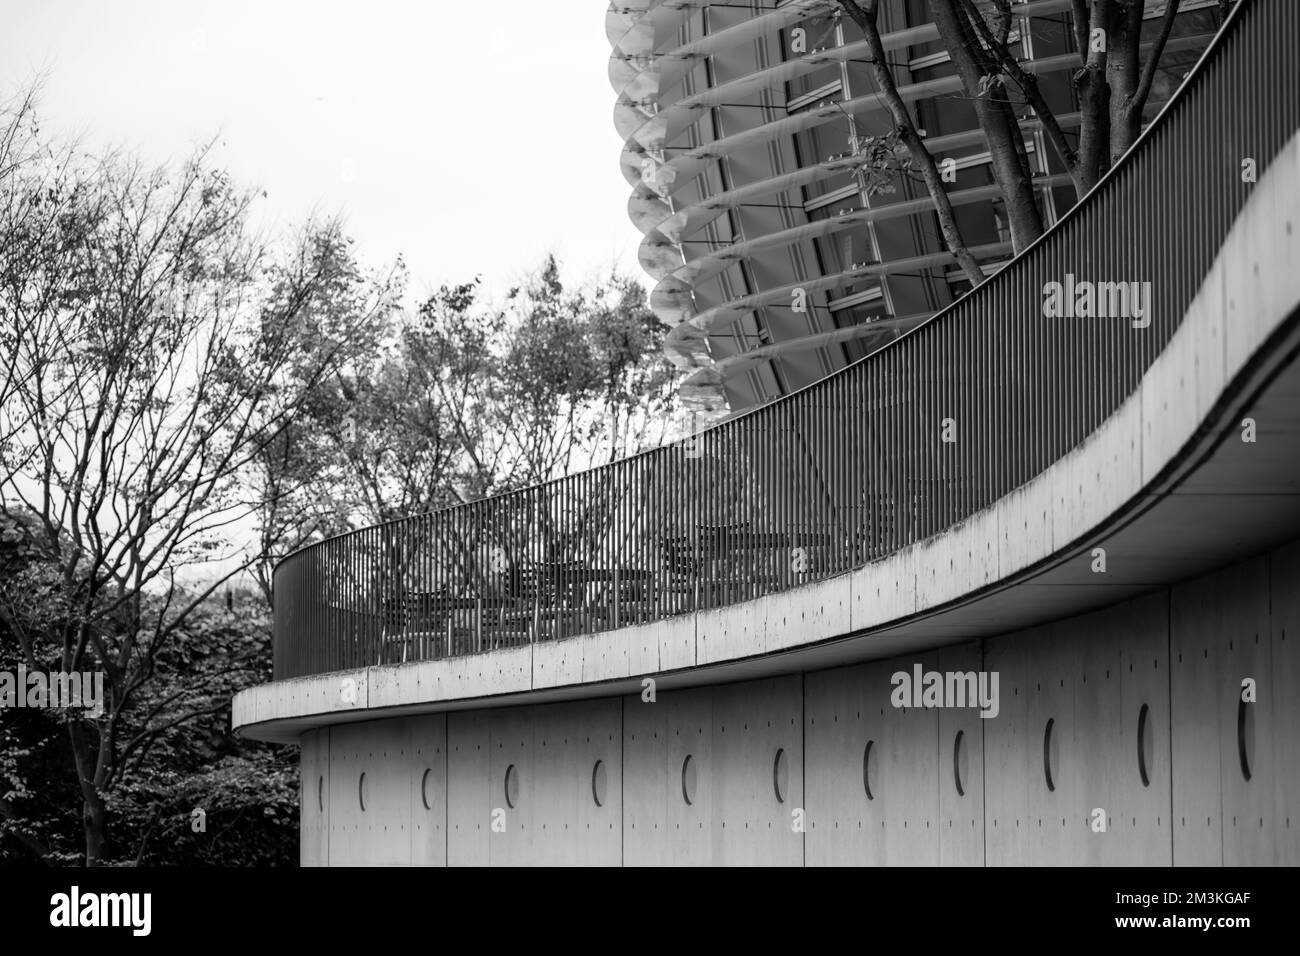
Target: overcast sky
470,138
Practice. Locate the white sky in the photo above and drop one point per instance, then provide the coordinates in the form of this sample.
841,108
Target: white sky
471,138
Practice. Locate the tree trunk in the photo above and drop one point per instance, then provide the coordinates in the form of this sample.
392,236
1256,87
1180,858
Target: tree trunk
1122,61
1094,97
94,818
1129,90
95,825
1010,162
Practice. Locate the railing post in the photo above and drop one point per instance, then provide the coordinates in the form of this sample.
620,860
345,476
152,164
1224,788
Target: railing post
614,618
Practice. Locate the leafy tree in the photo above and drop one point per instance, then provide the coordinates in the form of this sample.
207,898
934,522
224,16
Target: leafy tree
150,340
637,384
548,374
583,378
297,478
459,400
245,790
196,795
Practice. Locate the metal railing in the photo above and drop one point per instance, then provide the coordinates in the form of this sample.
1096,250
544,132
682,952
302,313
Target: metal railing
850,469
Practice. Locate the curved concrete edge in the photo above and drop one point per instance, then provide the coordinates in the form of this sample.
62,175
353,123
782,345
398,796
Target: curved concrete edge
1062,506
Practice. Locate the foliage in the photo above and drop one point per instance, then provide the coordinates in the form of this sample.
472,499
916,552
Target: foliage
459,399
247,790
155,348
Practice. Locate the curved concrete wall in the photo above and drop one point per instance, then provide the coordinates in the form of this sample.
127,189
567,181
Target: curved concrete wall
436,786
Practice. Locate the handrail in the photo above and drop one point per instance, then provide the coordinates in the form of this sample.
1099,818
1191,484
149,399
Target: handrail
887,452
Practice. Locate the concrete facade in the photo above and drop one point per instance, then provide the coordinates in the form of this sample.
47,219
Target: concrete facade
1112,682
